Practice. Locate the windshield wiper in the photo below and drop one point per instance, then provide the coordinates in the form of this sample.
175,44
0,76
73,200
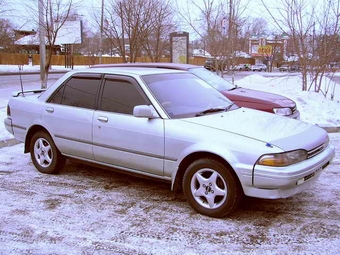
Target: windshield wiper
229,107
211,110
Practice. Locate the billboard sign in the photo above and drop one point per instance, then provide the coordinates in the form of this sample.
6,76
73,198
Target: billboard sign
70,33
179,52
261,51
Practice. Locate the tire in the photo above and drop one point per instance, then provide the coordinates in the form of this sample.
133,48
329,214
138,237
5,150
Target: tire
211,188
44,154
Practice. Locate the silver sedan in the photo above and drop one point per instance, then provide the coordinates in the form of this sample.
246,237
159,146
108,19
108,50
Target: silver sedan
170,125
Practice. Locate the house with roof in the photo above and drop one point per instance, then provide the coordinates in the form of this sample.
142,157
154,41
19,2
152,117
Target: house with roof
28,42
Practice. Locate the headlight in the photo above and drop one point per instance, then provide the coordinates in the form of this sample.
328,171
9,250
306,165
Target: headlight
283,159
283,111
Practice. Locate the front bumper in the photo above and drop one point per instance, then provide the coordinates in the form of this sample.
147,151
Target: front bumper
282,182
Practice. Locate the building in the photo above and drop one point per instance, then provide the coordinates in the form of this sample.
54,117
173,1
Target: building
28,42
266,49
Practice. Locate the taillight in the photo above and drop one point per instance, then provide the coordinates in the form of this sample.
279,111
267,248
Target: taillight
8,111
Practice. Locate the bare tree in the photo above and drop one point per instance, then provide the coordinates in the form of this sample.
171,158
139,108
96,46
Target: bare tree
257,26
55,13
6,34
210,22
155,41
313,27
133,26
5,27
219,25
114,26
325,45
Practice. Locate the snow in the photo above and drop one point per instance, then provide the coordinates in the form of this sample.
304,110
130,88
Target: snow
85,210
28,40
6,69
314,107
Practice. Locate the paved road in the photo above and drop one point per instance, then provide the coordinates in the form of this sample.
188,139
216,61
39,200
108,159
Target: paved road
28,81
10,83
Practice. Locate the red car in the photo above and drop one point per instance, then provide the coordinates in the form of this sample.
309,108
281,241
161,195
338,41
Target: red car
242,97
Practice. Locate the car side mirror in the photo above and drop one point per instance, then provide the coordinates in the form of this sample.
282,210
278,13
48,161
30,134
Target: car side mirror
144,111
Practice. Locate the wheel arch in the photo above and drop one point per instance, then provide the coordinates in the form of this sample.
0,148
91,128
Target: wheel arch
34,129
177,183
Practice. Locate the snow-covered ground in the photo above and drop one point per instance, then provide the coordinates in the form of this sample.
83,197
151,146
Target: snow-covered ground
314,107
90,211
86,210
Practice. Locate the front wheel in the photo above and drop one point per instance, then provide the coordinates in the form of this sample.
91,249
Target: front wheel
44,154
211,188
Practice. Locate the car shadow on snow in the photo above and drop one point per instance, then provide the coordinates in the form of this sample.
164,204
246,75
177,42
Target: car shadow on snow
100,179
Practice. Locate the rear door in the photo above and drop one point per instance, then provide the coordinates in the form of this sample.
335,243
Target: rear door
119,138
69,114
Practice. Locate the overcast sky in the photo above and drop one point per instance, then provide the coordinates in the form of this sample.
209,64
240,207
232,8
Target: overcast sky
22,18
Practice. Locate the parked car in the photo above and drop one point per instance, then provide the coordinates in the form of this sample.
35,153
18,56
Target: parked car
214,64
241,67
295,68
242,97
170,125
284,68
258,67
289,68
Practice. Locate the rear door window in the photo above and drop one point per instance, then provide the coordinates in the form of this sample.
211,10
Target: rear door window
79,91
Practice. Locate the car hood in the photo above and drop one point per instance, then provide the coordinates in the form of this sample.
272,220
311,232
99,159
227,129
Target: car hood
285,133
243,95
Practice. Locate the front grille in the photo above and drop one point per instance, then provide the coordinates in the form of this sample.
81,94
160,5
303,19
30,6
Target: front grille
317,149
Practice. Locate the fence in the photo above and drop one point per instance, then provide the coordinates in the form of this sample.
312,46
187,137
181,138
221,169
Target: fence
61,60
13,59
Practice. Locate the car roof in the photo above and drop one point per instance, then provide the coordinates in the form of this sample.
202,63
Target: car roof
128,71
175,66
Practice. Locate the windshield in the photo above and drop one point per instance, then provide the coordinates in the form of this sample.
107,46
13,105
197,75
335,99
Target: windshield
185,95
213,79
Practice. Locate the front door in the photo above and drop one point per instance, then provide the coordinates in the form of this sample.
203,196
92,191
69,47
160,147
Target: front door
121,139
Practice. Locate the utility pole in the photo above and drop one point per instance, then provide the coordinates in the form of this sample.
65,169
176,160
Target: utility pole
230,33
101,34
42,44
231,59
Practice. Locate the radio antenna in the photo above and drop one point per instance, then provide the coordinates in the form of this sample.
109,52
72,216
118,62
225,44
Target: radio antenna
22,87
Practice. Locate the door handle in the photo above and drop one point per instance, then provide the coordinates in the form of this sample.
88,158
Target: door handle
49,109
102,119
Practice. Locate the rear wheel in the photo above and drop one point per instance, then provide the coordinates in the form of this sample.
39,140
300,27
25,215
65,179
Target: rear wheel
44,154
211,188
